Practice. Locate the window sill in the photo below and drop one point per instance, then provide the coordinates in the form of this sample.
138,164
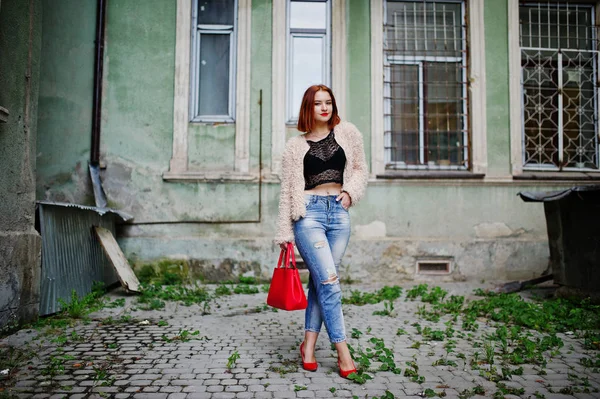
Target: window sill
559,176
429,174
213,123
210,177
3,115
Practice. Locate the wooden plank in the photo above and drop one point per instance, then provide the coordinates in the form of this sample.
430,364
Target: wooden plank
118,260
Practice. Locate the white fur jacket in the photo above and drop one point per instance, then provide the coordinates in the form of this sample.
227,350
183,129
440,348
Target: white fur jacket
291,200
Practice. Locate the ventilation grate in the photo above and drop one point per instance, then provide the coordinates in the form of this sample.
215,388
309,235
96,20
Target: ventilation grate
433,267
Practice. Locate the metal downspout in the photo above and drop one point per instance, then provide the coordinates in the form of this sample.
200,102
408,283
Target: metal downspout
94,164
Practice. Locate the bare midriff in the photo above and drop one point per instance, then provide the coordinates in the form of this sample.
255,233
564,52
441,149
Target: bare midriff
325,189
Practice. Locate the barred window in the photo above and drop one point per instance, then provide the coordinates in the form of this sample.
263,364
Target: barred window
559,61
425,85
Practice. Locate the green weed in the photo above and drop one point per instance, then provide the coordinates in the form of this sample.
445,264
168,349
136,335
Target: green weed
387,311
232,359
364,298
287,366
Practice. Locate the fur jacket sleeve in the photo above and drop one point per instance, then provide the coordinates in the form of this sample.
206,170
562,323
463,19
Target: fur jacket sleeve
291,199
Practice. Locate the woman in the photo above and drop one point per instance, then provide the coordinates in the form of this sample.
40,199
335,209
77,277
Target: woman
324,173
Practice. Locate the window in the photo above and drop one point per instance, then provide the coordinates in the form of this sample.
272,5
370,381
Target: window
425,85
559,61
213,61
308,49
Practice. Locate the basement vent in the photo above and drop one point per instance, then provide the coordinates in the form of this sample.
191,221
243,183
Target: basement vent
433,267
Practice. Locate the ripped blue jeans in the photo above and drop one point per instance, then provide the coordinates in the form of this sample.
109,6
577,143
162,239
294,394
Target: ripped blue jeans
321,238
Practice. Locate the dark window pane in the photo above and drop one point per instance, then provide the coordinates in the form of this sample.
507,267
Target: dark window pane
444,143
214,74
216,12
405,114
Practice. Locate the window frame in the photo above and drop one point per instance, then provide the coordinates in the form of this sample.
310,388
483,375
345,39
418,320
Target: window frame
419,61
196,38
552,167
178,165
292,33
476,106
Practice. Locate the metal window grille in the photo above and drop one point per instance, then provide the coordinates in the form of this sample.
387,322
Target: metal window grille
308,50
425,85
559,61
213,60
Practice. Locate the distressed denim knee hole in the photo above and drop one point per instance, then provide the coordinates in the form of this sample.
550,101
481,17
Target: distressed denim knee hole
333,279
320,244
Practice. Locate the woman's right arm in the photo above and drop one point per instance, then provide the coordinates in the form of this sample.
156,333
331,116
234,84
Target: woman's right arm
285,232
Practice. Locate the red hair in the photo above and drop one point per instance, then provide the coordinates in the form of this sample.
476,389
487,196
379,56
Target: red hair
306,117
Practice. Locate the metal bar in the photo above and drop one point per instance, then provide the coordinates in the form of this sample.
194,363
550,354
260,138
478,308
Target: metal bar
560,110
415,59
465,118
415,25
421,117
556,48
425,25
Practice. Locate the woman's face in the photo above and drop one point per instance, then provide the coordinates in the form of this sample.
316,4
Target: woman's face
323,107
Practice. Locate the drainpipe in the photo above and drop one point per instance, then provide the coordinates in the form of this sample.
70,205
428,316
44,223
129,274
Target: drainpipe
94,164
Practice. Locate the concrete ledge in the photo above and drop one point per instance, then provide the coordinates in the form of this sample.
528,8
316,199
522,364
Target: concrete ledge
229,177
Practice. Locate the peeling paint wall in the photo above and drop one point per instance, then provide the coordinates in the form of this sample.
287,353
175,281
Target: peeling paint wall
20,32
481,227
65,101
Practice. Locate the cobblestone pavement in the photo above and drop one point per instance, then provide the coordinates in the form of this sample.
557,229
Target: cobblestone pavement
140,357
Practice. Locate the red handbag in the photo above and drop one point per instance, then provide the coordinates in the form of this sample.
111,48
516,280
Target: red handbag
286,291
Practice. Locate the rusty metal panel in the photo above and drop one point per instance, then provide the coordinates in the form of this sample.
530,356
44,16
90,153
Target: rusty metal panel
72,258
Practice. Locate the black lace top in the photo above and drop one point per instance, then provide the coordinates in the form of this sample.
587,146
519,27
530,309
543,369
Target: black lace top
324,162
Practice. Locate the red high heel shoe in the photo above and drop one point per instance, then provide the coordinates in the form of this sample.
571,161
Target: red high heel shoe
345,373
305,365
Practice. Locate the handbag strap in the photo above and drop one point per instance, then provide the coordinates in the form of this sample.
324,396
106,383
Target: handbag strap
290,252
280,258
285,255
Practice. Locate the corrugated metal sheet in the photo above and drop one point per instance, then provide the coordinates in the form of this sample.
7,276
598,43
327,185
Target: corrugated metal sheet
72,257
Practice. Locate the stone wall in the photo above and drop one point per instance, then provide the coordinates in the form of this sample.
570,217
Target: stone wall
20,244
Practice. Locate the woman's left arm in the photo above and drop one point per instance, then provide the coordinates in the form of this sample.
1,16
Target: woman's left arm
357,183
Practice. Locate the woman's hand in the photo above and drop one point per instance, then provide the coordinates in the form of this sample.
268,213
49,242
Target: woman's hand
345,198
284,245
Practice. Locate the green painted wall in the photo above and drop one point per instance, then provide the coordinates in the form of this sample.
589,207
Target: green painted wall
211,147
497,96
260,76
358,105
139,74
65,101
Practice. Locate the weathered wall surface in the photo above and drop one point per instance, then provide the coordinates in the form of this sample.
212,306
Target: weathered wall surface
20,33
480,226
65,103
